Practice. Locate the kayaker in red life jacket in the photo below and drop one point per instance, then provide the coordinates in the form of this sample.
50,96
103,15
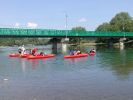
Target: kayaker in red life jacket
34,51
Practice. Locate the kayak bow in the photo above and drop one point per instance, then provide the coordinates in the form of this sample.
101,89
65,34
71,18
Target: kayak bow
14,55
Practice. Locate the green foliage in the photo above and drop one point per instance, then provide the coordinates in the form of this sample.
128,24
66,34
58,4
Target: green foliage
80,30
121,22
21,41
104,27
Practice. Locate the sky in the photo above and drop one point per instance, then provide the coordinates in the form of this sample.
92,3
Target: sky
51,14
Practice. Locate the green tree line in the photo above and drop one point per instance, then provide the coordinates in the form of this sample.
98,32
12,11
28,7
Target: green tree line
121,22
23,41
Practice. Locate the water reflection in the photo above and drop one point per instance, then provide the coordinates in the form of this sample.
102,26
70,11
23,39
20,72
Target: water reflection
77,60
27,65
23,64
34,63
120,63
110,72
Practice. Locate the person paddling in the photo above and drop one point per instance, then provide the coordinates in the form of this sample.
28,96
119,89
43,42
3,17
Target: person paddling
23,50
19,50
71,52
78,52
42,53
34,51
93,51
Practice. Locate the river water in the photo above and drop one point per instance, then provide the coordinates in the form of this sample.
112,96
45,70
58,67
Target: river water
106,76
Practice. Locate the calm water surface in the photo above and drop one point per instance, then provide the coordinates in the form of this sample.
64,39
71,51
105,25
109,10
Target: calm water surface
106,76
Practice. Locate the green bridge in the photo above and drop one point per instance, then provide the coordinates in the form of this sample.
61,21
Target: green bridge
17,32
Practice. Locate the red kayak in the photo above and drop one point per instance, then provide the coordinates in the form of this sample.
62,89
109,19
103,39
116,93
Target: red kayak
14,55
24,55
40,56
92,53
76,56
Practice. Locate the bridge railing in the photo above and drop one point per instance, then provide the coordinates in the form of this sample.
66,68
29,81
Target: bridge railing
59,33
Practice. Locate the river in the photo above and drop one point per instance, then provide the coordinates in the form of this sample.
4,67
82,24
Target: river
106,76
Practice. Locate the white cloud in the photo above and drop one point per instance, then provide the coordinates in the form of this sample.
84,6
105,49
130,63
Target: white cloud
17,24
32,25
82,20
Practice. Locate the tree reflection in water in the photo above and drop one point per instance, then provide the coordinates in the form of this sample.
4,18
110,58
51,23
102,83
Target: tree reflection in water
119,62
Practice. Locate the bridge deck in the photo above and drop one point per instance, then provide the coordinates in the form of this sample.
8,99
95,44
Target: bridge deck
17,32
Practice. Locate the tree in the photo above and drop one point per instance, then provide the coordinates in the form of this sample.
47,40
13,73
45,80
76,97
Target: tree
121,22
79,30
104,27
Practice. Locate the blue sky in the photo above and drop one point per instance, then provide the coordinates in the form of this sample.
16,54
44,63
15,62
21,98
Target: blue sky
50,14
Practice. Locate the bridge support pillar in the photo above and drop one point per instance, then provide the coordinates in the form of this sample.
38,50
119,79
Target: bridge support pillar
65,40
121,45
121,42
64,47
110,42
54,45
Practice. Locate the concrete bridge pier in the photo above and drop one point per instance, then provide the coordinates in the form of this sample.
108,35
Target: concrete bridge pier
121,42
64,40
121,45
55,45
110,42
64,47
